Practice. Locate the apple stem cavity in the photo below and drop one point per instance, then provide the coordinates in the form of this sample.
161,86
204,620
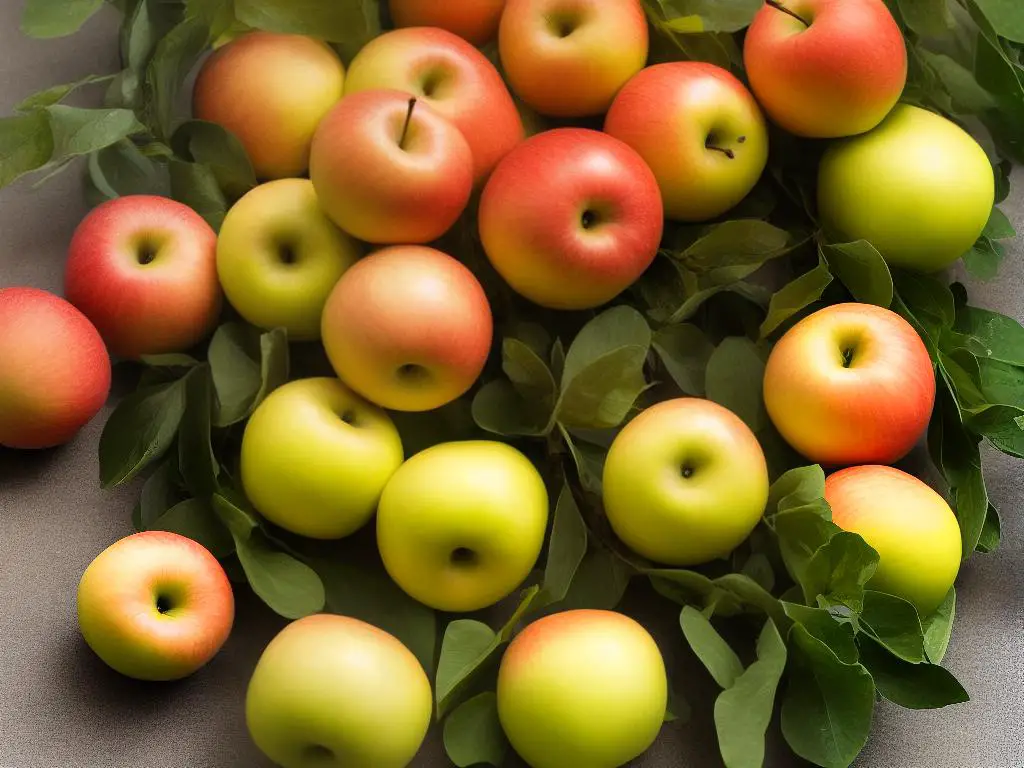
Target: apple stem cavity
408,119
724,150
780,7
463,556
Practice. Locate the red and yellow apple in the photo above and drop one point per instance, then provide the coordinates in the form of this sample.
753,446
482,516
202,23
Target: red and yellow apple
850,384
700,131
582,688
54,369
408,328
825,68
155,606
332,690
143,269
568,58
571,218
271,91
472,20
685,482
911,527
451,76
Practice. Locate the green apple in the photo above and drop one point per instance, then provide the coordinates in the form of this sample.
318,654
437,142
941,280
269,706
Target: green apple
279,256
460,525
582,688
335,691
316,456
685,482
918,187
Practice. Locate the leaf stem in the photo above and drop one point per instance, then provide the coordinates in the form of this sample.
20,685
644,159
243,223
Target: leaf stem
408,119
725,151
780,7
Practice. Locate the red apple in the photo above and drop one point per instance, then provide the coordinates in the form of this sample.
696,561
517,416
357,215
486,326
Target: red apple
472,20
850,384
571,218
143,269
453,77
54,369
408,328
389,169
825,68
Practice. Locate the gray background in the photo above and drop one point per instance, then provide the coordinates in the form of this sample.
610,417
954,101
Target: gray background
61,708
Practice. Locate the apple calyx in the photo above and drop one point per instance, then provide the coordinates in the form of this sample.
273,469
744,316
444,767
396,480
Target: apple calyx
408,119
780,7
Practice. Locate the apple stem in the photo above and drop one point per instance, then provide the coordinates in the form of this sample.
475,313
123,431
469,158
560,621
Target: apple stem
780,7
725,151
408,119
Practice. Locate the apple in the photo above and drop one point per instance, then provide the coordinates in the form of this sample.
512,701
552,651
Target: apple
911,527
569,59
155,606
461,524
143,269
825,68
571,218
472,20
279,256
55,371
850,384
685,482
316,457
918,187
409,328
331,690
700,131
271,91
389,169
582,688
451,76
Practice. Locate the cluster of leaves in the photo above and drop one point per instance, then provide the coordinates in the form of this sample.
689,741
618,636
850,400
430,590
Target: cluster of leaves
821,643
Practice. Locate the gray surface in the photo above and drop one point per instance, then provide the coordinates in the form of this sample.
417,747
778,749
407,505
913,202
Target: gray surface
60,707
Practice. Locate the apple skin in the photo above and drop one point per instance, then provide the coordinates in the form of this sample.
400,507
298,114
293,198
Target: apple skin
452,77
571,218
279,256
409,328
582,688
385,189
55,375
316,457
569,59
143,269
918,187
871,410
838,77
324,689
271,91
911,527
670,113
155,606
472,20
460,525
685,482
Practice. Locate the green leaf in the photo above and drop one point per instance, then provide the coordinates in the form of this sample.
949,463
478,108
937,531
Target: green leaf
195,519
992,335
796,488
198,464
528,372
289,587
915,686
121,169
567,548
159,494
685,351
466,646
217,15
800,533
351,24
797,295
173,59
473,734
589,460
958,81
827,706
500,409
735,374
678,708
56,18
689,16
734,249
839,569
692,588
939,627
599,582
1006,17
26,145
234,512
894,623
861,268
752,594
140,430
78,131
984,258
743,711
991,531
218,149
603,372
235,364
714,653
197,187
926,297
824,625
998,226
57,93
930,18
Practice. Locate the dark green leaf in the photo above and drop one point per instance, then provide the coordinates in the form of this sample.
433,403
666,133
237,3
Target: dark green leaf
499,408
217,15
991,531
689,16
235,367
78,131
173,59
839,569
466,646
930,18
796,296
915,686
57,93
212,145
567,548
735,374
589,460
351,24
159,493
715,654
195,519
599,583
685,352
800,532
197,187
528,372
796,488
473,734
992,335
289,587
734,249
894,623
938,627
751,594
234,513
1006,17
678,708
984,258
26,145
759,569
957,82
861,268
557,360
834,631
121,169
926,297
198,464
56,18
692,588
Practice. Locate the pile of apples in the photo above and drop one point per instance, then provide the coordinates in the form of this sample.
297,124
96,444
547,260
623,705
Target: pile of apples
418,129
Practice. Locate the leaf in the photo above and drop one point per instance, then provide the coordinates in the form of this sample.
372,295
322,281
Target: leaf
678,708
599,582
893,622
466,646
195,519
800,533
197,187
939,627
692,588
589,460
140,430
685,351
473,734
289,587
998,226
928,303
752,594
217,15
159,494
57,93
915,686
686,16
173,59
745,244
26,145
44,19
1006,17
196,460
930,18
603,372
246,366
861,268
234,513
796,296
991,531
796,488
743,711
121,169
78,131
958,81
984,258
822,624
350,23
528,372
498,408
992,335
827,706
734,378
714,653
839,569
218,149
567,548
